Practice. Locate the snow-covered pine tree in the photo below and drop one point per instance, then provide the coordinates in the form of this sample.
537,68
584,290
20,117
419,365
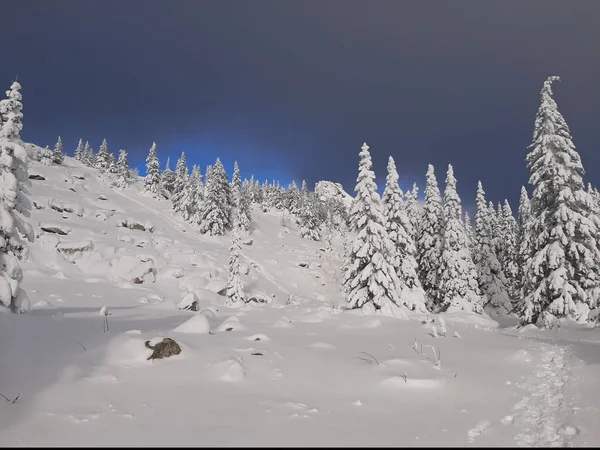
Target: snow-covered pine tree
244,215
123,172
457,275
45,156
15,206
88,157
413,211
191,198
58,156
562,272
179,183
292,198
492,282
79,151
369,276
215,212
236,186
396,224
112,165
309,222
469,233
523,238
102,162
167,180
152,180
235,287
508,258
429,242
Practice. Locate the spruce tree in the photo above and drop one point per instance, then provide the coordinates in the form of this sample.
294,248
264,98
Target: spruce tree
88,156
180,181
15,206
123,172
470,233
492,282
79,151
308,216
369,276
413,211
192,196
112,165
562,272
215,212
167,180
403,259
508,259
236,186
152,180
244,214
102,162
58,156
235,287
457,275
429,242
523,239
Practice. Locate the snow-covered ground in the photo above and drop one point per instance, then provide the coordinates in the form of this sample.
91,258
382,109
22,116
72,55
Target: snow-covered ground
288,372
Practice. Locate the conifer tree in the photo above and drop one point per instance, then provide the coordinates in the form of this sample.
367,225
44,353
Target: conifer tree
369,276
470,234
492,282
15,206
152,180
413,211
457,275
508,259
123,172
112,165
88,157
429,242
79,151
403,258
191,196
180,180
57,155
309,221
235,287
215,212
523,239
102,162
236,186
562,270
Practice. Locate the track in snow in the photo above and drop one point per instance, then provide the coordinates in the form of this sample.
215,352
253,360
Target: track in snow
537,415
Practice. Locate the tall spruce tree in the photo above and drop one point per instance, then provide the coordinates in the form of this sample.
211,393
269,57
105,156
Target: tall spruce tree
492,282
508,258
102,162
180,181
215,212
369,276
457,275
429,242
123,172
309,221
58,156
235,287
562,272
79,151
403,260
167,180
152,180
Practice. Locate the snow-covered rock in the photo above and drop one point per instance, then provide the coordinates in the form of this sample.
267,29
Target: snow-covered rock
330,190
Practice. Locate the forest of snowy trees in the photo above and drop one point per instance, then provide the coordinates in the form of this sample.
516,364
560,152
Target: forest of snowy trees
399,253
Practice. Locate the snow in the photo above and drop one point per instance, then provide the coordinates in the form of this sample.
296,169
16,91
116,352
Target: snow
267,374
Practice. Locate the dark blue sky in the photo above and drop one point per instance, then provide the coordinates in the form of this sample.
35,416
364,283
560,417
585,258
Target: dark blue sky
292,88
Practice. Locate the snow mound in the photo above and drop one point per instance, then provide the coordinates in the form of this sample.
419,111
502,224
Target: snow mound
284,322
127,351
258,337
197,324
189,302
231,370
410,383
232,323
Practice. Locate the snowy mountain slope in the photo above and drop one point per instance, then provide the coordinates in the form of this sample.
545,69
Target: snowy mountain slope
289,372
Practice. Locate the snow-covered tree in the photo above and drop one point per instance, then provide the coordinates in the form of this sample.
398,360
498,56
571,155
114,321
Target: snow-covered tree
369,275
457,275
523,239
79,151
112,165
58,156
46,156
492,282
469,233
180,181
102,162
123,172
88,157
292,198
244,213
15,206
396,225
191,198
215,213
236,185
429,242
308,216
152,180
413,211
235,287
167,180
562,271
508,258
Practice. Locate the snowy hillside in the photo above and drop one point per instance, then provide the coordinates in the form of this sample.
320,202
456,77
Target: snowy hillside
292,369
